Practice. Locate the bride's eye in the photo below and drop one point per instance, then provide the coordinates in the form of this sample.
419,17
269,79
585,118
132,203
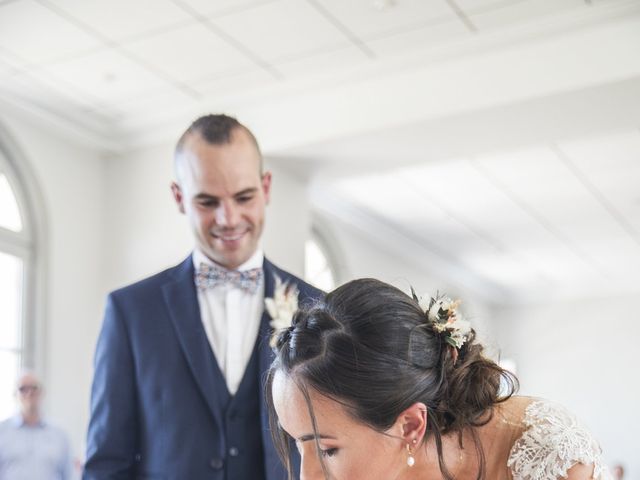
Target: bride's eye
330,452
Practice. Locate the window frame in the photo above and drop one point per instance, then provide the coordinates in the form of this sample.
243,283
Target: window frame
25,245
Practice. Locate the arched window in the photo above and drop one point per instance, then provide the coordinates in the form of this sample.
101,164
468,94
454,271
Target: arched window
318,268
16,278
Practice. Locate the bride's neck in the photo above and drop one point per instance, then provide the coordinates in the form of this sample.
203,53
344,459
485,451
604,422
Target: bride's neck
463,462
456,459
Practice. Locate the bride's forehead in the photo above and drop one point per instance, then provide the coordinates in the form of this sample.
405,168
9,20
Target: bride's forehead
293,409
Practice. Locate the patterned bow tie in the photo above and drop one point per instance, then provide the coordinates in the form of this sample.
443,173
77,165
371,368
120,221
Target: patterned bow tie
209,276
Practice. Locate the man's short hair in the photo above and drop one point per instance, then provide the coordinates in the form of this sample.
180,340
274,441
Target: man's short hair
215,130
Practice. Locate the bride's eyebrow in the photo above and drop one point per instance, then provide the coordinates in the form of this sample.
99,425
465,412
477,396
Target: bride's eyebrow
312,436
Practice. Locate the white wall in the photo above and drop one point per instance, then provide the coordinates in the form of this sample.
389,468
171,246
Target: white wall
145,232
69,179
583,354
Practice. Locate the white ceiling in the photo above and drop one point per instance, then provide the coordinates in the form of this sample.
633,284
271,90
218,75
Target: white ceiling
112,70
554,221
498,139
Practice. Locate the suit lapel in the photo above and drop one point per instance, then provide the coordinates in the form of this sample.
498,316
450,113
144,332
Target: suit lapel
266,354
181,300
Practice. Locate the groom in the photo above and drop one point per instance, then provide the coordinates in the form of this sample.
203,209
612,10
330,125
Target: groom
177,392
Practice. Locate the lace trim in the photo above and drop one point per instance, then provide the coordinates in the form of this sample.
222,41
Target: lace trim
553,442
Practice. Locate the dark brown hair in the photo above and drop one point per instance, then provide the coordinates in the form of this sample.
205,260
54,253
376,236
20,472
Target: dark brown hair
368,346
216,130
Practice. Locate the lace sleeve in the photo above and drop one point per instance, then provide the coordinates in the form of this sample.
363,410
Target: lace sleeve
553,442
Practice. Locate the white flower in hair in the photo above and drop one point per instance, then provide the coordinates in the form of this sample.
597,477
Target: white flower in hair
281,307
442,313
460,330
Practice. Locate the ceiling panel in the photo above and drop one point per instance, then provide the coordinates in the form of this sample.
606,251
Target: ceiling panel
118,19
36,34
417,39
6,68
363,19
611,163
510,14
23,86
618,254
389,197
282,30
106,75
490,216
10,60
471,6
217,88
504,271
189,53
147,105
557,198
222,7
438,229
324,63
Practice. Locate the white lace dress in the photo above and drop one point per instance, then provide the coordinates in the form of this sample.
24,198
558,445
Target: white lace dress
553,441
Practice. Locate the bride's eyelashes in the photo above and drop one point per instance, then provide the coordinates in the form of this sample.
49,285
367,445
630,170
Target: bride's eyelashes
329,452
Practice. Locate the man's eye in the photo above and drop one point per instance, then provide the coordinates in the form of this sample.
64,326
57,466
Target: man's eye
208,203
244,199
330,452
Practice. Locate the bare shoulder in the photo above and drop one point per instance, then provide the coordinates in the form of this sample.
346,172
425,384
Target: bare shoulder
580,471
514,410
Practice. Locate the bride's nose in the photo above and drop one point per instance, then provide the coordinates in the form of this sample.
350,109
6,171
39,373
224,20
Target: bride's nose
311,469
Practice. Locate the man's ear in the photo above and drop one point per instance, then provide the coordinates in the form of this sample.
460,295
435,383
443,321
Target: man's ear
266,186
177,196
412,423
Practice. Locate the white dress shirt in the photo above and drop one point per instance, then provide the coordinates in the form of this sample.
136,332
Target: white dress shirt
231,318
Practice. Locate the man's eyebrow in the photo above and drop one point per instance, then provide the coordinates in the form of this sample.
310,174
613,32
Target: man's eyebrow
313,436
246,191
205,196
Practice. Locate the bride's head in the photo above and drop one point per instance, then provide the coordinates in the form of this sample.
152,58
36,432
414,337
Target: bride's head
363,381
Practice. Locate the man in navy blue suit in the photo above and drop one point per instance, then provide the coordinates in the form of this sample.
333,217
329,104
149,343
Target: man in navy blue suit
180,361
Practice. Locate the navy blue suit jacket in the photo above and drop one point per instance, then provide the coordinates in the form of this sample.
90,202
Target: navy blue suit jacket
155,401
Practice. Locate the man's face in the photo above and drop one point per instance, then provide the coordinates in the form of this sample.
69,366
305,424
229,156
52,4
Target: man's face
29,393
223,194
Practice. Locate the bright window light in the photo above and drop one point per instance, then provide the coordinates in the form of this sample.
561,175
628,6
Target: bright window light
317,268
9,212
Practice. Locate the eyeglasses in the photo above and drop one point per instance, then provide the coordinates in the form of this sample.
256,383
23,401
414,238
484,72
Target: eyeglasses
24,389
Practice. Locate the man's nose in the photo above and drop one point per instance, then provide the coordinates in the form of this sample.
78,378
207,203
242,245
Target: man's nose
227,215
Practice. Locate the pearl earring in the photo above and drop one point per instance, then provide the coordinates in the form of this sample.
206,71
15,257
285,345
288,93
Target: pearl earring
410,459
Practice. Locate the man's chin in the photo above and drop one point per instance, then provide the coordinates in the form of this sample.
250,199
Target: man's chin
230,258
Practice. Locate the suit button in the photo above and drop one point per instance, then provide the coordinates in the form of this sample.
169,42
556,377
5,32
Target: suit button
234,452
216,463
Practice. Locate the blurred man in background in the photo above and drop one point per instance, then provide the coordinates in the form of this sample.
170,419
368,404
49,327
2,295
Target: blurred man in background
30,448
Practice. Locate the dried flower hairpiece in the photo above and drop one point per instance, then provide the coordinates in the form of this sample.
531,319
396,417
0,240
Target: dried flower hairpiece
442,314
281,308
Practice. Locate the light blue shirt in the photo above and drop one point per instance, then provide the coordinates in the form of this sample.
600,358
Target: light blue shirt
33,452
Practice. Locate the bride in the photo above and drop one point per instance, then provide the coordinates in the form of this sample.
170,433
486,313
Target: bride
375,384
